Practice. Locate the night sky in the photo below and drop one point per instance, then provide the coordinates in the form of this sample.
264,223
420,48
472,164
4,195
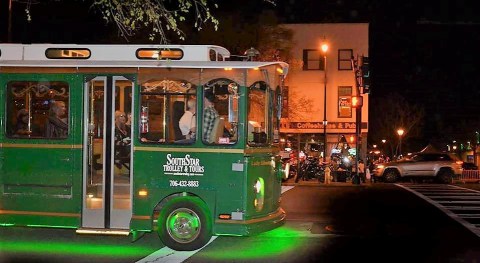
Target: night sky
425,51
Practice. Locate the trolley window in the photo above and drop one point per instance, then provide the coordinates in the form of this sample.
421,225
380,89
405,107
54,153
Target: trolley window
67,53
220,112
258,113
167,107
160,54
37,109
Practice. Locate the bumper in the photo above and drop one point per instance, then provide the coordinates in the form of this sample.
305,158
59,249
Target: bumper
251,226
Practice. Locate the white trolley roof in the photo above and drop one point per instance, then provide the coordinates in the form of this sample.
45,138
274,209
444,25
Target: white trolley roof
193,56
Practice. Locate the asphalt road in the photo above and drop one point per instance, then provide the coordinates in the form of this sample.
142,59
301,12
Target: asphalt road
335,223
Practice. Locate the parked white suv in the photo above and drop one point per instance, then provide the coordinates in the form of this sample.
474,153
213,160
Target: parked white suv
440,166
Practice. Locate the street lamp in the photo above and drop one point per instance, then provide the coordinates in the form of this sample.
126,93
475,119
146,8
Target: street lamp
383,147
400,133
324,48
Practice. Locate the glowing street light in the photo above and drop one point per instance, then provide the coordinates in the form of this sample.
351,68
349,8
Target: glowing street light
324,48
400,133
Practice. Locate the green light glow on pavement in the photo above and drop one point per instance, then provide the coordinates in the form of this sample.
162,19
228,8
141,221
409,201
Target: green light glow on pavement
281,240
73,249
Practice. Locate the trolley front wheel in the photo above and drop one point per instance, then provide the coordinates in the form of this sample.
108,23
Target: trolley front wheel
185,224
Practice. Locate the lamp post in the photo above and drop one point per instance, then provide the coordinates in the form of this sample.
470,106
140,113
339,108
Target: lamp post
383,146
324,48
400,133
9,33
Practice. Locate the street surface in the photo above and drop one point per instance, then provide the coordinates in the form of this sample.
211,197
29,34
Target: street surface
325,223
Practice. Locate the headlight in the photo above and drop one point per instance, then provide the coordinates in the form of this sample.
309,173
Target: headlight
259,191
286,171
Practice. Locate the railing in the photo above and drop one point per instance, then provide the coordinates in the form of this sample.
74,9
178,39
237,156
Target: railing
469,176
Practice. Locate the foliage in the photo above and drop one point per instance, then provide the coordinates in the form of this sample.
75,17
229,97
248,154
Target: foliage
300,107
275,43
131,15
159,16
391,113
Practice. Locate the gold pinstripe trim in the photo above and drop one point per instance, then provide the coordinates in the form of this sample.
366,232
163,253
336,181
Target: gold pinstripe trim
142,217
143,148
261,150
205,150
31,213
44,146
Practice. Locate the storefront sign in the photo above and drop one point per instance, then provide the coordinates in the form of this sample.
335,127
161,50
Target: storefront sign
319,125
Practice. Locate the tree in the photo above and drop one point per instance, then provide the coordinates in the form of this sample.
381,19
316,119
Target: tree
157,15
390,113
131,15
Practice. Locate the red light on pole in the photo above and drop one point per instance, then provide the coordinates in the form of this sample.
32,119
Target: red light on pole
357,101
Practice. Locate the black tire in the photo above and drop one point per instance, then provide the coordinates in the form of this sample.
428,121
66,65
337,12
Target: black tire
390,176
185,224
445,176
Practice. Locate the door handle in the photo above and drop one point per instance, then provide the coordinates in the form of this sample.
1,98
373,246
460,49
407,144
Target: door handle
65,159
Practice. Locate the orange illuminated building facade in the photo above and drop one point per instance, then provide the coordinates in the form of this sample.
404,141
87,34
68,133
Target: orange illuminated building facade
312,72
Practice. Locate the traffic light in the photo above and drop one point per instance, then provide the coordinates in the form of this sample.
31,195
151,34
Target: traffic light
357,101
365,68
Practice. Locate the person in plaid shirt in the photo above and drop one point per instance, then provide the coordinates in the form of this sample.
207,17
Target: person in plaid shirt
210,114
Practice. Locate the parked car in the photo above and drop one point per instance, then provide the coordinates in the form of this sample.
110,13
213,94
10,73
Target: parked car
439,166
469,166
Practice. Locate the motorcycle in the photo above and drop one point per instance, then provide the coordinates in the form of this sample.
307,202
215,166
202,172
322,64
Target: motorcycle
310,169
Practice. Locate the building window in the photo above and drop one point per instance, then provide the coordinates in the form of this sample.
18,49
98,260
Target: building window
345,102
313,60
345,59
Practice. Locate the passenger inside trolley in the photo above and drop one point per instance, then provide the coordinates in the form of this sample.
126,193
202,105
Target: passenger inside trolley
122,141
211,118
56,125
188,122
22,128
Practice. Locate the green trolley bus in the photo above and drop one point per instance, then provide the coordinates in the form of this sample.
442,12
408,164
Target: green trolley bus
91,138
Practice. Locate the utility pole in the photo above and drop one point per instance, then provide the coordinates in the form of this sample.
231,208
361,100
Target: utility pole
357,103
9,40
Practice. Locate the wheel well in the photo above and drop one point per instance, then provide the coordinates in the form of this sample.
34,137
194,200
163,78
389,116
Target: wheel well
163,202
395,170
444,169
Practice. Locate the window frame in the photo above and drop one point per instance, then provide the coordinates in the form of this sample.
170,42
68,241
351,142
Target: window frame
266,128
167,99
229,91
344,101
345,59
12,110
307,57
